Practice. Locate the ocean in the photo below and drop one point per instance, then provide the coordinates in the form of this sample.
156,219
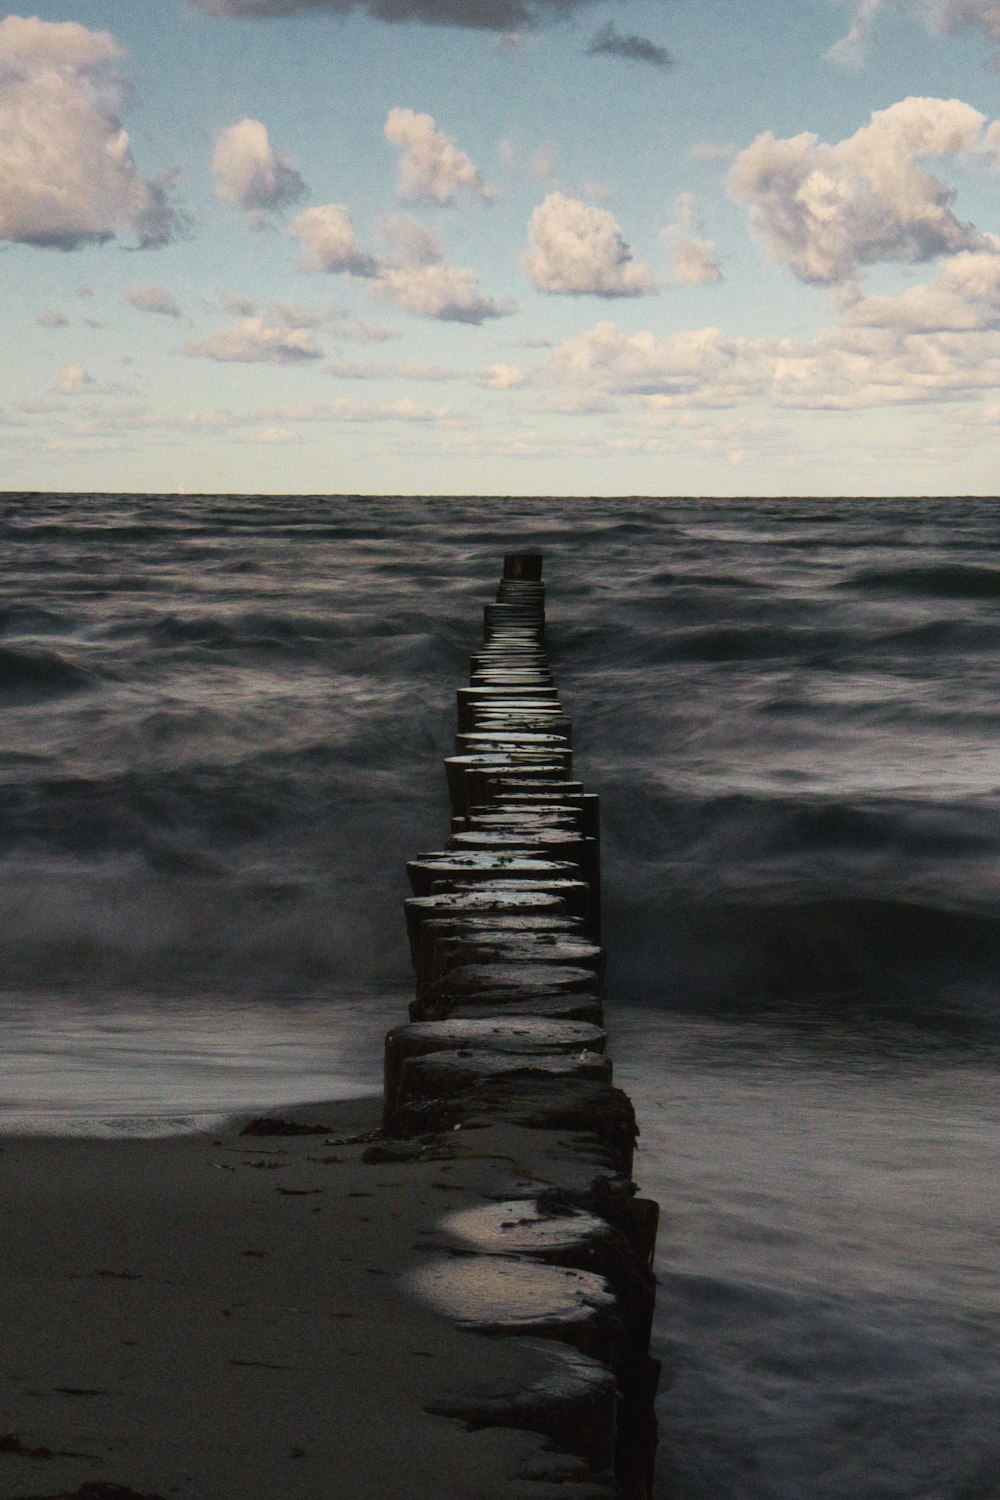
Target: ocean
223,720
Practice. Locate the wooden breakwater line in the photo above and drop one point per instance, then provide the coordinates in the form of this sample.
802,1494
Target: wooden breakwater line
505,1059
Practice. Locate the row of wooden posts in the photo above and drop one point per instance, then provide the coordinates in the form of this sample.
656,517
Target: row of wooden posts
506,1035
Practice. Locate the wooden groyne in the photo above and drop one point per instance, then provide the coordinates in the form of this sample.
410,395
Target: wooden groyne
505,1060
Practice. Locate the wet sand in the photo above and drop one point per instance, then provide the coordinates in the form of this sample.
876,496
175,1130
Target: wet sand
224,1317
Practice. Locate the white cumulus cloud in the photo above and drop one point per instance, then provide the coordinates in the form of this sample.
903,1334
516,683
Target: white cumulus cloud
825,211
416,277
341,321
67,174
431,167
283,314
502,378
964,298
932,343
575,249
152,299
694,261
331,244
256,341
280,332
704,364
251,174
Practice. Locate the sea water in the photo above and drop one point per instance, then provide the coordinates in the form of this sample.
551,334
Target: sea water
221,727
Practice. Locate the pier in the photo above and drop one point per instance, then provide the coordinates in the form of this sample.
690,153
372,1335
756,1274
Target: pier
504,1059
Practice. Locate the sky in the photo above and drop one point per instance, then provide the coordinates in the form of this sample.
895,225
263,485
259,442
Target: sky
517,247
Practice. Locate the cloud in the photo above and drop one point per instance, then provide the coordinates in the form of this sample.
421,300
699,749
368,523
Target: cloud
432,167
505,16
825,211
413,273
251,174
577,249
943,17
695,262
702,362
965,298
255,341
932,343
51,318
633,48
340,320
152,299
358,332
416,277
72,380
285,314
502,378
67,175
451,294
280,332
850,50
954,16
331,244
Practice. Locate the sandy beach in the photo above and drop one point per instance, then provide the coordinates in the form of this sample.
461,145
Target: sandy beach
225,1317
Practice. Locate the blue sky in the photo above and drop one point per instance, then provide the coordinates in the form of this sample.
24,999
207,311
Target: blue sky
501,246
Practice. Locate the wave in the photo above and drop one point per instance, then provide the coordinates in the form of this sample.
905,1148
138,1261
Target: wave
29,675
282,804
969,639
117,921
253,629
931,581
699,840
746,643
655,640
95,529
825,959
273,695
300,633
31,620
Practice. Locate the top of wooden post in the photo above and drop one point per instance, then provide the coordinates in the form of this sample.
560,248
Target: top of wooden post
526,566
